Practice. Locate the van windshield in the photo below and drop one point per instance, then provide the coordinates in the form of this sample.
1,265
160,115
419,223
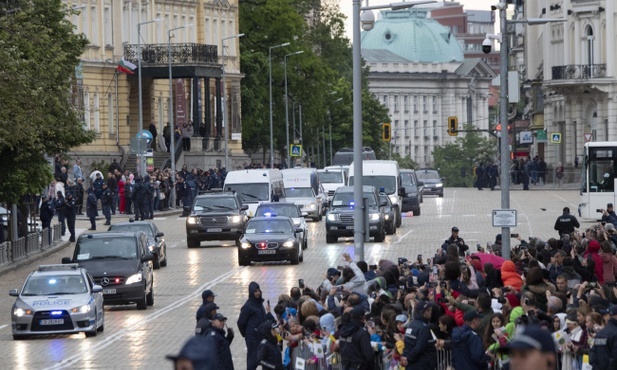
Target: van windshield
387,183
299,193
107,248
250,193
334,177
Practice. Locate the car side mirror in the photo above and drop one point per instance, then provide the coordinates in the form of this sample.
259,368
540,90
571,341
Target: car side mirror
244,207
420,183
14,293
298,230
160,235
304,214
147,257
97,289
401,191
66,260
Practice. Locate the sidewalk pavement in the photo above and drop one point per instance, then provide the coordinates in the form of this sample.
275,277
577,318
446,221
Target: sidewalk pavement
63,243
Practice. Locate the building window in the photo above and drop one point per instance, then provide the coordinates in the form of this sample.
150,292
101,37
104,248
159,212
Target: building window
434,104
415,104
589,32
385,100
394,129
97,114
395,103
109,35
86,110
426,128
110,113
415,128
435,134
424,104
406,124
406,103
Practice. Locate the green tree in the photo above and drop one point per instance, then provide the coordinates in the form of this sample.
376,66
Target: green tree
38,55
456,161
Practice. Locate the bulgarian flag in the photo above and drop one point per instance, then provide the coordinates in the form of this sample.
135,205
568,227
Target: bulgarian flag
126,67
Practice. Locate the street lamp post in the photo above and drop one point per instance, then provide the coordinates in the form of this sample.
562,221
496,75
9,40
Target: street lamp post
172,124
270,84
225,131
359,221
141,168
287,106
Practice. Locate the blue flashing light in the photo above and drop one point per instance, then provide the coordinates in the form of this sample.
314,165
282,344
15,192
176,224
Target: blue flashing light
56,313
382,189
269,214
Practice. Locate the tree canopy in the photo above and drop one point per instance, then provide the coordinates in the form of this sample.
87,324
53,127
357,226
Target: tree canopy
39,51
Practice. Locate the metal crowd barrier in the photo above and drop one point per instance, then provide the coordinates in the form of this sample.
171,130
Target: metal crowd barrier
57,232
45,239
5,251
18,249
313,361
33,243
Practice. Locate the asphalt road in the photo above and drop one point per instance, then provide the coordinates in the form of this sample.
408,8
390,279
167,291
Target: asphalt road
140,339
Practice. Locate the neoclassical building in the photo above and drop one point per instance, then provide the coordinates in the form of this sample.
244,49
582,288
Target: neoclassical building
571,69
109,100
417,70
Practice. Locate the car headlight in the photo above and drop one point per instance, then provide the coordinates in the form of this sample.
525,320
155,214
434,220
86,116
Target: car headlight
81,309
331,217
151,247
386,217
235,219
375,216
133,279
310,205
393,199
413,195
288,244
245,245
438,185
19,312
192,220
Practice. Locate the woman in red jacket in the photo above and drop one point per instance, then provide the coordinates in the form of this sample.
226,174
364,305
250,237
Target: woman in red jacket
122,202
593,250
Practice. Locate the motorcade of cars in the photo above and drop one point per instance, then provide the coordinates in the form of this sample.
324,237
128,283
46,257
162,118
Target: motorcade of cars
57,299
388,213
302,187
120,263
271,239
383,175
331,178
156,243
287,209
344,156
412,197
340,216
216,215
432,181
254,186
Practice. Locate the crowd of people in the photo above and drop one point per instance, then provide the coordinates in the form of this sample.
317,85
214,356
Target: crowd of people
553,305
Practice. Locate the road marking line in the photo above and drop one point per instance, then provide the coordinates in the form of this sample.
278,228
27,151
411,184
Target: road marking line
159,219
78,357
173,245
400,239
3,326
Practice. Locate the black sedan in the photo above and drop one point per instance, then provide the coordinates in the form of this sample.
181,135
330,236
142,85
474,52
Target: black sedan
270,239
156,243
388,212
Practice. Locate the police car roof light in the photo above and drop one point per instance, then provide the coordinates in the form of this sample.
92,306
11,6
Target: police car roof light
68,266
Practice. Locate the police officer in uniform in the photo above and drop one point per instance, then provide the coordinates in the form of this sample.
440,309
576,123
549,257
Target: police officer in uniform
355,342
566,223
107,201
603,353
149,198
70,212
420,352
60,204
91,208
139,199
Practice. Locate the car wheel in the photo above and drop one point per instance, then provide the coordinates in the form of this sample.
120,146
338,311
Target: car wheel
301,258
399,218
101,328
238,243
441,194
320,217
380,237
331,239
164,262
150,297
156,262
142,304
391,229
417,212
192,243
90,334
242,261
305,244
295,259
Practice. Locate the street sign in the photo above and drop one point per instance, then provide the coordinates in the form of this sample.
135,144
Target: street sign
295,150
504,218
541,135
556,138
588,137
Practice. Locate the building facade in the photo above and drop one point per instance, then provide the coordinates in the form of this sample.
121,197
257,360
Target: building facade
108,100
417,70
571,69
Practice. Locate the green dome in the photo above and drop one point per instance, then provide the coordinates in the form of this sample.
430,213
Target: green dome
412,36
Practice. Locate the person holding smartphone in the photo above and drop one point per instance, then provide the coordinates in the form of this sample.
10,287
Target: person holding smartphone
253,314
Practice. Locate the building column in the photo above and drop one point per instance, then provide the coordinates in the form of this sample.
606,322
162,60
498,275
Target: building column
197,122
208,108
611,115
219,110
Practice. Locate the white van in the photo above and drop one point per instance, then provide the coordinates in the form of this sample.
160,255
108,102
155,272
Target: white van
332,178
302,187
256,186
385,177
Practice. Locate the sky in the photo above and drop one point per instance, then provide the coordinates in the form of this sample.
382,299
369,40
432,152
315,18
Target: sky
346,8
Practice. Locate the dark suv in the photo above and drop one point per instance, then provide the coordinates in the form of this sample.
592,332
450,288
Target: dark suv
216,216
120,263
413,191
340,217
432,180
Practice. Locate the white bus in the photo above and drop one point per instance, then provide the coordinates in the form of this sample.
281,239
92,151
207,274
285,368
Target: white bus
598,183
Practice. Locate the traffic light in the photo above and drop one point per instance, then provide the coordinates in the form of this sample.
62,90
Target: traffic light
452,126
386,133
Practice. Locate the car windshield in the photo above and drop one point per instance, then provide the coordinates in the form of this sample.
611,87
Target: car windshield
428,175
288,210
215,203
407,178
54,285
250,193
268,227
299,193
132,228
345,199
386,184
331,177
107,248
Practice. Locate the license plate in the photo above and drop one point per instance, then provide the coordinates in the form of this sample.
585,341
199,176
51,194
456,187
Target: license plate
109,291
216,230
52,322
266,251
349,227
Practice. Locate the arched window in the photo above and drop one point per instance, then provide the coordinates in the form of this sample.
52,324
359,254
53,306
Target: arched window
590,38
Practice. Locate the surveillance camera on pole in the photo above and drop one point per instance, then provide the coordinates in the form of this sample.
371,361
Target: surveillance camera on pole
487,44
367,20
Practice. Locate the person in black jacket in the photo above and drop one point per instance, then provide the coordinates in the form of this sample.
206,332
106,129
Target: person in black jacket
139,199
222,341
207,297
107,201
46,214
112,185
251,316
70,214
79,196
420,351
603,353
91,208
204,321
355,342
268,352
566,223
149,197
59,206
467,347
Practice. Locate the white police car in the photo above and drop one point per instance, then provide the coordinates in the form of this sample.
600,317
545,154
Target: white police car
58,299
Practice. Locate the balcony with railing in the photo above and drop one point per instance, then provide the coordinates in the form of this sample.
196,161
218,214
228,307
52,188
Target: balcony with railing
180,53
579,71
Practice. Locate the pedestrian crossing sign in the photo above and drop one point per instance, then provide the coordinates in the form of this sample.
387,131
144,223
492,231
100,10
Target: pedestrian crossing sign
295,150
556,138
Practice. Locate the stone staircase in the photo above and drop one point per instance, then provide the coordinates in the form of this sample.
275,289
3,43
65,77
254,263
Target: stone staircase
160,158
